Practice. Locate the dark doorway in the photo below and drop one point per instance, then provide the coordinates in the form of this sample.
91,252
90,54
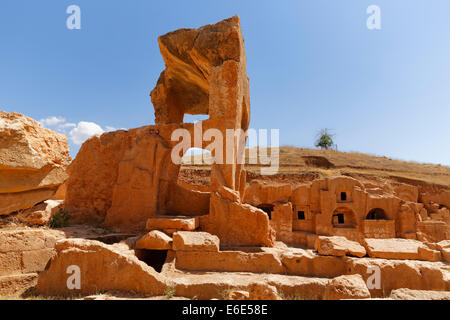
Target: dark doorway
267,208
344,218
376,214
301,215
343,196
153,258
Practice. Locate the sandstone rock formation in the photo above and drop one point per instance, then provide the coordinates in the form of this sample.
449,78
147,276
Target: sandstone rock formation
33,160
195,241
407,294
255,291
40,214
444,246
347,287
124,178
119,270
404,249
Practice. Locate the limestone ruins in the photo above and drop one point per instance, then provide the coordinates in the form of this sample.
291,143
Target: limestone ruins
134,227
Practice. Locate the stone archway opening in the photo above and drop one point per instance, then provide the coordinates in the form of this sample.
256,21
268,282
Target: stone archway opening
376,214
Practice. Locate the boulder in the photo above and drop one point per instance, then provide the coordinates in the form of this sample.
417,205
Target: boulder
195,241
155,240
347,287
338,246
33,161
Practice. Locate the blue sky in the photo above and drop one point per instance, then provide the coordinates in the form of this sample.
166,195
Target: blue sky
312,64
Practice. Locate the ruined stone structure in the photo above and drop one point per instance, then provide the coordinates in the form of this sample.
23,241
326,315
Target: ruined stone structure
343,206
133,177
256,240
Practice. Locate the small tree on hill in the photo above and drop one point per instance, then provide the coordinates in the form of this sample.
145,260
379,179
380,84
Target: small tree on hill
324,139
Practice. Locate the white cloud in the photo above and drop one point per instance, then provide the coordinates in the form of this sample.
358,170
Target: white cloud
83,131
78,132
52,121
67,125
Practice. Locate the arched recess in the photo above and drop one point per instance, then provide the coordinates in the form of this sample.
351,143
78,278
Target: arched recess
376,214
344,218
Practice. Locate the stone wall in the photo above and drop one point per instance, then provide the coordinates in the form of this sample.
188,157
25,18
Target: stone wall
24,253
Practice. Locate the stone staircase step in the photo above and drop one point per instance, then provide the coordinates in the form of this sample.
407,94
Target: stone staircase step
172,223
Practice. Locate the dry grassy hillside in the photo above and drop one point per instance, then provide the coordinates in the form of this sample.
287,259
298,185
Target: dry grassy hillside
298,164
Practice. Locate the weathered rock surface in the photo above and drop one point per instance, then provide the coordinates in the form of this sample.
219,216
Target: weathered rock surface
259,193
255,291
40,214
408,294
17,284
220,285
347,287
123,178
444,246
405,249
238,224
338,246
397,274
195,241
206,74
119,270
173,222
235,261
33,160
428,254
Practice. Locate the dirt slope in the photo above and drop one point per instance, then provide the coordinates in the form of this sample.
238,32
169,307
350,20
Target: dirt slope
298,165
